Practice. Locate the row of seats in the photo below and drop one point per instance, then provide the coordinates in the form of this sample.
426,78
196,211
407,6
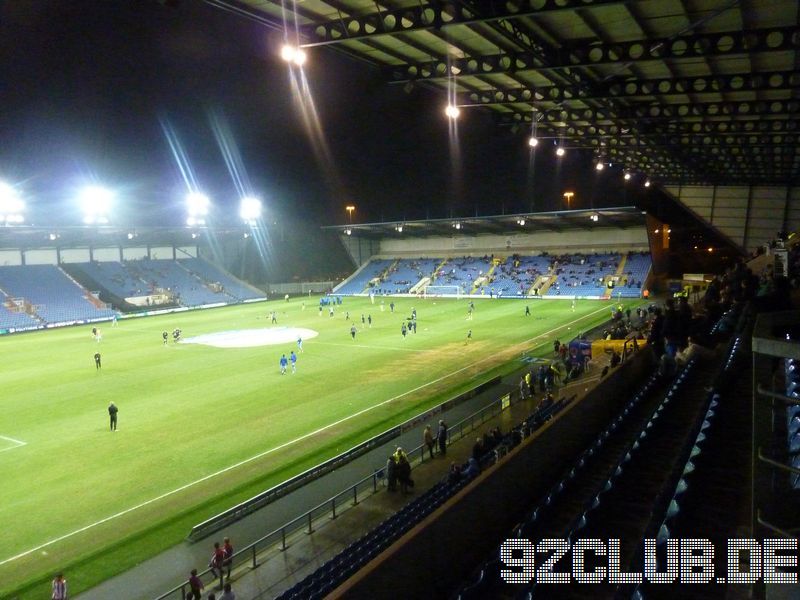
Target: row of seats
190,279
359,282
55,297
577,275
488,575
791,367
210,273
669,520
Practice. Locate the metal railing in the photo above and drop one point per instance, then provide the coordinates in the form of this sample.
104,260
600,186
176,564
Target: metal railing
335,505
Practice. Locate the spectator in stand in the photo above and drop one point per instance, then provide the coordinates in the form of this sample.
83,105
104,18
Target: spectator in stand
404,472
478,449
427,439
441,437
227,549
217,560
656,338
195,586
454,474
473,469
692,351
391,473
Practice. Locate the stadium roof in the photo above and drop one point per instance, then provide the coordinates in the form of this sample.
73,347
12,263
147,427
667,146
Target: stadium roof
622,217
685,91
27,236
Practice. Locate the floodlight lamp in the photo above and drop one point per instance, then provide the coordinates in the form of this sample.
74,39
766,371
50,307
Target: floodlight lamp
293,54
348,231
197,204
521,222
130,235
52,237
250,209
599,166
647,183
627,176
194,236
246,235
399,229
560,151
595,218
10,202
452,111
457,225
96,204
533,142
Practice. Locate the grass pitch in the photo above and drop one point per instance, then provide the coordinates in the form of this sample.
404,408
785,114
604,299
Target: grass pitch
202,428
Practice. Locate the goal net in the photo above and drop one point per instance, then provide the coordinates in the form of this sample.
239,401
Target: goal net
447,291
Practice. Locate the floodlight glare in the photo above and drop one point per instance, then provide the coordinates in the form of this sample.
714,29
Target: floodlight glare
250,209
96,204
599,166
560,151
533,142
647,183
452,111
627,176
11,206
197,204
293,54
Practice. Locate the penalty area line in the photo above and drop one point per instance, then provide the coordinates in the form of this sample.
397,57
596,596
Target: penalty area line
274,449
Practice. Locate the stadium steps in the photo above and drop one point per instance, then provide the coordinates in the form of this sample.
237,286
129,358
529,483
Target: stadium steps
618,273
205,283
96,302
385,273
550,281
486,277
625,510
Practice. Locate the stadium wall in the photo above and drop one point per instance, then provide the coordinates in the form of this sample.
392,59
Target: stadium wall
553,242
749,215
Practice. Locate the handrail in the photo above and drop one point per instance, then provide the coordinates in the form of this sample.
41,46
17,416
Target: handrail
776,464
328,507
762,391
772,527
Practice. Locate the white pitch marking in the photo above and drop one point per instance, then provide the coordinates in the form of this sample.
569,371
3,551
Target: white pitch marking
270,451
18,443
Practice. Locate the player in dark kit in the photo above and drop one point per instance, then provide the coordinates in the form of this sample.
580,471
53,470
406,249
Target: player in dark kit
165,337
176,335
96,360
112,413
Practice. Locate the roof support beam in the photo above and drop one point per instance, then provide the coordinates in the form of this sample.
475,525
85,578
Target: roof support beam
587,54
439,14
637,88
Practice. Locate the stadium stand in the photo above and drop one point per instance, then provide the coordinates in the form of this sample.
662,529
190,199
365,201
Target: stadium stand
463,272
516,275
406,273
55,297
358,282
582,275
212,274
12,319
193,281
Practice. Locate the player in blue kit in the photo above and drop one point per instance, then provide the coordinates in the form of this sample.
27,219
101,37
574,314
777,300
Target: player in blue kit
283,362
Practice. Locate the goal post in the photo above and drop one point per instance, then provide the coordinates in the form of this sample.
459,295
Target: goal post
443,291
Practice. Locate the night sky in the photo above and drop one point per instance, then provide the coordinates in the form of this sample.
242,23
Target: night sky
86,87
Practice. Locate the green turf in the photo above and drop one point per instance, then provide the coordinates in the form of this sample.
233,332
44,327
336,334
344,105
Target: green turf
189,413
